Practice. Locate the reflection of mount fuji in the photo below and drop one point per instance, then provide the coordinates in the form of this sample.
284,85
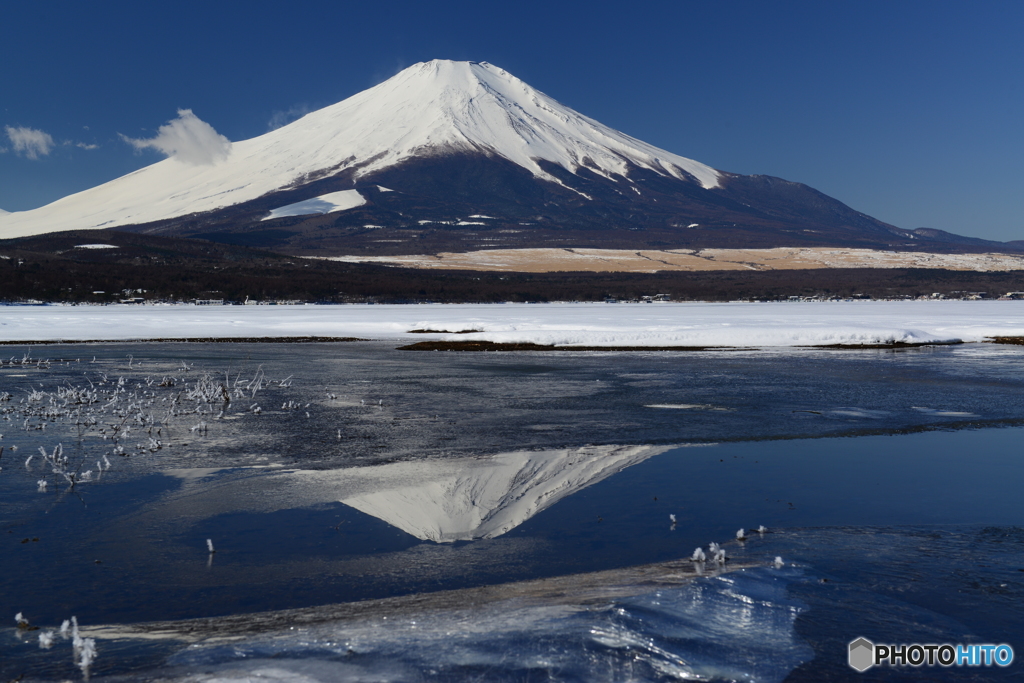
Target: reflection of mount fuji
466,499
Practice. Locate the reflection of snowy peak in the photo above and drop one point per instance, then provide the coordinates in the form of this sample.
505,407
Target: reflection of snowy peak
461,500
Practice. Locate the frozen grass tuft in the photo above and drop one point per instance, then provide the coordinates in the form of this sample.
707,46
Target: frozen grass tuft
86,654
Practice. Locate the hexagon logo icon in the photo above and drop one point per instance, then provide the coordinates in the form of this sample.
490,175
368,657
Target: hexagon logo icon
862,654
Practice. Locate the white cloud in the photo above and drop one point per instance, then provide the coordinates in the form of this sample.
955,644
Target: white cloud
188,139
283,118
84,145
29,142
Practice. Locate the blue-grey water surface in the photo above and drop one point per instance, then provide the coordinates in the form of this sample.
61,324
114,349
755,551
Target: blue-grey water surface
889,482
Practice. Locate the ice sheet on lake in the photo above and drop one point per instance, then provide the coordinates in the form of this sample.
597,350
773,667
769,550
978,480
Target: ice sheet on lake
653,622
672,324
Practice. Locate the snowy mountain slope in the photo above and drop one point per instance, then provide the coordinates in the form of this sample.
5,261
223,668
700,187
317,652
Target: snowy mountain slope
428,109
411,165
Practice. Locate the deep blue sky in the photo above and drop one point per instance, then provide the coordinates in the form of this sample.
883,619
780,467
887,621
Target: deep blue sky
910,111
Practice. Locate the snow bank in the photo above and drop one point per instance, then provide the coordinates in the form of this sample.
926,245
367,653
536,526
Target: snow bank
663,324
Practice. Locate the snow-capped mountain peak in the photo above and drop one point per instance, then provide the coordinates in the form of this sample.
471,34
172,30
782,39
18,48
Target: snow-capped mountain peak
476,106
429,109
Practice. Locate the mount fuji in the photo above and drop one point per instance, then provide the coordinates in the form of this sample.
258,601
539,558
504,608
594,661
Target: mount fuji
457,156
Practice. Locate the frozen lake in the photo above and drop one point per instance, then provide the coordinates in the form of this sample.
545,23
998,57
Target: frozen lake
393,515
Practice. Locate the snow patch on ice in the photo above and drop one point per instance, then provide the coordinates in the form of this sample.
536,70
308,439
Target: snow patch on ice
687,406
858,412
942,413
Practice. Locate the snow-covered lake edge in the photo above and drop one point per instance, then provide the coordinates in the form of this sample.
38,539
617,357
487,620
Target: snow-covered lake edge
594,325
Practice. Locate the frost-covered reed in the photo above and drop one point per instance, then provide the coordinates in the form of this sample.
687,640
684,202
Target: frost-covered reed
46,640
83,650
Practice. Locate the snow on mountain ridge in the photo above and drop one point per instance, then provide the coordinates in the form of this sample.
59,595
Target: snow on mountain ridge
429,108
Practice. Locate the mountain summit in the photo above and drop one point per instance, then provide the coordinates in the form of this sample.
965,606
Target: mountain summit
453,156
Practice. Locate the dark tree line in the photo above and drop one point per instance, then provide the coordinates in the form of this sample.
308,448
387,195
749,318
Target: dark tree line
55,268
338,282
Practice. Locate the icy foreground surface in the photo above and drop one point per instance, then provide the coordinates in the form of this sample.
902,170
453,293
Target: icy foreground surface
682,324
732,627
644,623
285,543
431,107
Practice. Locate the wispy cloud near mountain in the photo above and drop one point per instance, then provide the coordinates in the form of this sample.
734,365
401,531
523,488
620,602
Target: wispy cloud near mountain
283,118
187,138
30,143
